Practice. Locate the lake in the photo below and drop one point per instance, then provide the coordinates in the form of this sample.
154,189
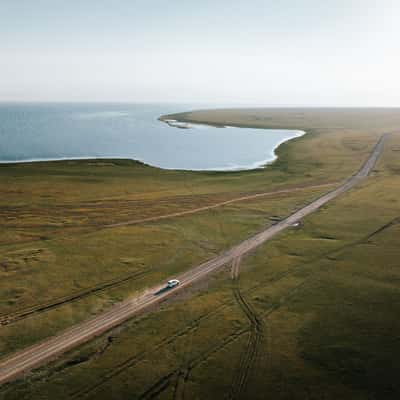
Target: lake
32,132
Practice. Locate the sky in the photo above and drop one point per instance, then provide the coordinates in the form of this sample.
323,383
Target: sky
255,52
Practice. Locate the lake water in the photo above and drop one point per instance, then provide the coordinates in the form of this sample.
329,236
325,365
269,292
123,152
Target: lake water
64,131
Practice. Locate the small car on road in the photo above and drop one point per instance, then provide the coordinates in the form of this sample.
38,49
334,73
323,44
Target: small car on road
172,283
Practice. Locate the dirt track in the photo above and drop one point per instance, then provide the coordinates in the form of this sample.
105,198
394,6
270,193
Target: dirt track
40,353
17,315
255,335
216,205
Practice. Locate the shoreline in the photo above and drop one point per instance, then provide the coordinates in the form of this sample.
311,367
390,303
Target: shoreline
236,168
173,120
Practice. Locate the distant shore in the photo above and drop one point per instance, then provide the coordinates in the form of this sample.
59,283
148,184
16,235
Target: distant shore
40,133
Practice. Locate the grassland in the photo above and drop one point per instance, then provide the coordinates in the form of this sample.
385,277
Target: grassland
312,313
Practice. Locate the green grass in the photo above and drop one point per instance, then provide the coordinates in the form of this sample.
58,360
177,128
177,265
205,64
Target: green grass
159,250
327,294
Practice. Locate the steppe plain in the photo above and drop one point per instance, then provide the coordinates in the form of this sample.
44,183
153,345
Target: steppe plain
313,313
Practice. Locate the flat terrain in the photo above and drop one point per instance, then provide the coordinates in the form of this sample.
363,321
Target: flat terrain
36,355
312,311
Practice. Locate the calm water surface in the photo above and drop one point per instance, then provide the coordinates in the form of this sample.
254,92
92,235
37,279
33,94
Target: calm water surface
58,131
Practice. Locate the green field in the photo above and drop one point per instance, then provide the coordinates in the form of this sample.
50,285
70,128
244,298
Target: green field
312,314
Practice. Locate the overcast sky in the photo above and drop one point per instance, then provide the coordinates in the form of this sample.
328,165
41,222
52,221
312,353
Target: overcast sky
265,52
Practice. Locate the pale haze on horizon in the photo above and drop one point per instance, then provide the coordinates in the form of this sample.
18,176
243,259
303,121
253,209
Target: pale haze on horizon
291,52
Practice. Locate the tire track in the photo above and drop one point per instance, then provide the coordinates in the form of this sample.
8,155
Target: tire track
132,361
391,223
158,387
181,379
256,331
216,205
195,362
183,372
23,313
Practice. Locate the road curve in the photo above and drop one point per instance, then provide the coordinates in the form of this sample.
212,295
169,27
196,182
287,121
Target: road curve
40,353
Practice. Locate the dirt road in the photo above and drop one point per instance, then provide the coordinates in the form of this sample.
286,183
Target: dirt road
40,353
216,205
